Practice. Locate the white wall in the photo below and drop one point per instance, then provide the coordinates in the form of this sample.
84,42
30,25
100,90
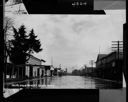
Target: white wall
27,71
33,61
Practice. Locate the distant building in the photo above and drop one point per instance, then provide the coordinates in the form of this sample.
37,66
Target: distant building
89,70
47,69
110,66
57,71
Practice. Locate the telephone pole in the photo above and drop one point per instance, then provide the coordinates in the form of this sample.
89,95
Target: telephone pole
118,47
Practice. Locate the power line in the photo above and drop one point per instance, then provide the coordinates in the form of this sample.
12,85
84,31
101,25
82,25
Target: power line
118,48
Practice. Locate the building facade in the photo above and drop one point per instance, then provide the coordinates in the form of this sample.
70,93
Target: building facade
110,66
32,70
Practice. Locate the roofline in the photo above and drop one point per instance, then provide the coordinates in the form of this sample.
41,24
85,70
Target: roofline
35,57
108,55
102,57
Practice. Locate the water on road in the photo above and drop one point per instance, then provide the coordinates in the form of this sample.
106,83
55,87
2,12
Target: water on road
68,82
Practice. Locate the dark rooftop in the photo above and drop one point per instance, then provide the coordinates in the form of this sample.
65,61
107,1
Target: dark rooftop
100,56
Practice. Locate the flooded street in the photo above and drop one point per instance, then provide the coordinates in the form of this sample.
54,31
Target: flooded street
68,82
72,82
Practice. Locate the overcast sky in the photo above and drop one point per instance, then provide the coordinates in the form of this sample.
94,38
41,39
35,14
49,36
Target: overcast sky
73,40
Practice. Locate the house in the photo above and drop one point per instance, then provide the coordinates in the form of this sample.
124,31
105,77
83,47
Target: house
33,70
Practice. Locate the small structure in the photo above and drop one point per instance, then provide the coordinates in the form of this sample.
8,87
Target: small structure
56,71
47,70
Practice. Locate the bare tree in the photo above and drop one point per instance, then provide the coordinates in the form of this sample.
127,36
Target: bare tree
8,23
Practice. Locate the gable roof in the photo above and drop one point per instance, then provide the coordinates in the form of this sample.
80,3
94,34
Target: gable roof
36,58
100,56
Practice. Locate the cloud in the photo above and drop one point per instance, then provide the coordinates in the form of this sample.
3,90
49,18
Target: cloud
74,39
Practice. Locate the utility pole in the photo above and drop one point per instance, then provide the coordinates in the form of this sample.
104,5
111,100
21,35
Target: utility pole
117,46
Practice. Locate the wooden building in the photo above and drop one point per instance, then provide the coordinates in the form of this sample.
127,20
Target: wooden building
109,66
33,71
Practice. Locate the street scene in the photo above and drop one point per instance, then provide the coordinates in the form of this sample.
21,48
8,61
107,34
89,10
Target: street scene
62,51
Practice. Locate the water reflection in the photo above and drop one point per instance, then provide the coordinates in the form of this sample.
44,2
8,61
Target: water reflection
67,82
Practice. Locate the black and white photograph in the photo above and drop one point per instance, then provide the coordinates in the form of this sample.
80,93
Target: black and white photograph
62,51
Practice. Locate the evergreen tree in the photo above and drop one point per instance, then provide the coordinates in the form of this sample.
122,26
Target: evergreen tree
34,45
23,45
